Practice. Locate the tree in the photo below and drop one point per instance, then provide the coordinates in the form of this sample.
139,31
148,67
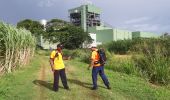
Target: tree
53,28
166,34
69,35
33,26
74,37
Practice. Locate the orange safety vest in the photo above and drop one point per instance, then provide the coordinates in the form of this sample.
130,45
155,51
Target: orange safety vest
95,57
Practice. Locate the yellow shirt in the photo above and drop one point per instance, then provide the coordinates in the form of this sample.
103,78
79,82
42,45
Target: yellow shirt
95,57
58,60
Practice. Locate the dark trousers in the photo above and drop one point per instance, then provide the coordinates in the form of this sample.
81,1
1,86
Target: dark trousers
62,75
99,70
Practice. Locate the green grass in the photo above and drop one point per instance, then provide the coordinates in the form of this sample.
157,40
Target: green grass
34,82
18,85
126,86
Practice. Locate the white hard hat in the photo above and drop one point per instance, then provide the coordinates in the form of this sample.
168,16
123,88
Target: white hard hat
93,45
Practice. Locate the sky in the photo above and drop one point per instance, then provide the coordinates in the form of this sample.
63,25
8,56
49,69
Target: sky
132,15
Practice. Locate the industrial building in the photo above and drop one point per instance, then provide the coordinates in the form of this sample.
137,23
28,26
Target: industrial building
140,34
44,44
88,17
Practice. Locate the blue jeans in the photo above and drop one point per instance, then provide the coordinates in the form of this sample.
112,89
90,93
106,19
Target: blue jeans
99,70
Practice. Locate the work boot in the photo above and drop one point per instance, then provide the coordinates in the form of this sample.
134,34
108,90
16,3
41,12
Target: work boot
94,88
55,90
67,88
108,87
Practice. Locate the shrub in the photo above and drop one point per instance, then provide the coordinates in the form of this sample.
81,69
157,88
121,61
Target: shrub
67,52
154,61
118,47
124,65
82,54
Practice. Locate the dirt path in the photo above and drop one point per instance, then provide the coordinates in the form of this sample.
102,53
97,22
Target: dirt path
39,82
42,77
79,80
78,83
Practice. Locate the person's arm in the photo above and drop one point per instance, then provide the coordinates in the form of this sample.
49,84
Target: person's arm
52,64
66,57
52,56
91,61
91,64
63,57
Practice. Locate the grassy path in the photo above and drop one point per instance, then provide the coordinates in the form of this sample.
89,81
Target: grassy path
79,82
34,82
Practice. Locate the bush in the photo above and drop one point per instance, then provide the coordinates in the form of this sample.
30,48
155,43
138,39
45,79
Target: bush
82,54
118,47
154,62
67,52
151,58
124,65
119,64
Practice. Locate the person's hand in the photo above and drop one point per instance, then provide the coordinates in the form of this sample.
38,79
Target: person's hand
52,69
88,68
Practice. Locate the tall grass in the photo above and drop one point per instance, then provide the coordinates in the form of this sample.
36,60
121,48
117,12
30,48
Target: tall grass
120,63
16,47
150,58
154,60
118,47
82,54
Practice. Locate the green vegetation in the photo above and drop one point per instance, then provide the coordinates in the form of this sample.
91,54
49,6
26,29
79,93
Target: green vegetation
142,71
35,82
154,60
33,26
119,47
148,58
18,85
56,30
121,63
72,37
16,47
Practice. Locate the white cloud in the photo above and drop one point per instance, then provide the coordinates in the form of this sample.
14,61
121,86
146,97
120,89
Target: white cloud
146,27
156,28
137,20
147,24
50,3
86,1
46,3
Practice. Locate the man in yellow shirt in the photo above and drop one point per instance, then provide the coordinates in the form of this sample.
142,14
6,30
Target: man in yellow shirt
58,68
97,68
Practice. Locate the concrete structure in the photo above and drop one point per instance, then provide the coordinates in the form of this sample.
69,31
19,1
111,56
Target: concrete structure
139,34
106,34
88,17
85,16
87,45
41,42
